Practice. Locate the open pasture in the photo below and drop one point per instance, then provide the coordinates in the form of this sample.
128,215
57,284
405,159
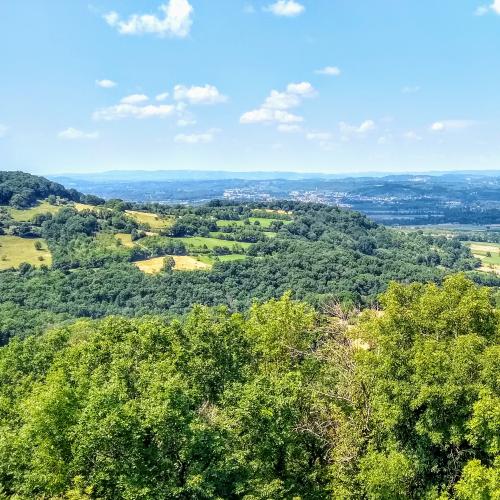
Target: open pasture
200,242
15,250
182,263
27,214
125,239
488,253
155,221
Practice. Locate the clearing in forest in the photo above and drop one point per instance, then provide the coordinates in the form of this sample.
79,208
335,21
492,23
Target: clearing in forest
200,242
182,263
488,253
15,250
27,214
125,239
155,221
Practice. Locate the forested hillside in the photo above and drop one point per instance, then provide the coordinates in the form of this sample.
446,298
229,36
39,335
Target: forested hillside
278,402
101,258
21,190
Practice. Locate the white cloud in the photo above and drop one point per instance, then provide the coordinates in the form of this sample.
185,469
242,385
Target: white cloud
106,84
74,134
286,8
266,115
135,99
412,136
304,89
202,138
482,10
176,21
318,136
364,127
281,100
208,94
324,139
121,111
288,129
162,97
274,106
447,125
186,122
329,71
410,89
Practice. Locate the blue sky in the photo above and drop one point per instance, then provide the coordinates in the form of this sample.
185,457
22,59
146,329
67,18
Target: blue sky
306,85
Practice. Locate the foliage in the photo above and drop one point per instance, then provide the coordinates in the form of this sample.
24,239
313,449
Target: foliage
21,190
279,402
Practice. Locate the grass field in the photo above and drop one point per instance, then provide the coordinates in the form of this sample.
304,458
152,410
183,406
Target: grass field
26,215
182,263
154,220
208,259
199,242
80,207
488,253
126,239
15,250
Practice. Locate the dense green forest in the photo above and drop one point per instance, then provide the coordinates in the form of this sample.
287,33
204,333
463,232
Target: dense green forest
308,353
278,402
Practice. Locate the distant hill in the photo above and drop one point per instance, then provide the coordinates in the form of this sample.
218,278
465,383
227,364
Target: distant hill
22,190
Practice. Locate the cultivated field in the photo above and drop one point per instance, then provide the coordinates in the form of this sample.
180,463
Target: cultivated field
488,253
182,263
155,221
15,250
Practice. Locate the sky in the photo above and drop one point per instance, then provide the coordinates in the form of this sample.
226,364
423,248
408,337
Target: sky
340,86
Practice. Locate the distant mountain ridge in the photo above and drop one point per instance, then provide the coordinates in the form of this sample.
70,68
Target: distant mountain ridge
203,175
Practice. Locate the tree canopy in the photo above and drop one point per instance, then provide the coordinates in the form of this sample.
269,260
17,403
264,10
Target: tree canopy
276,402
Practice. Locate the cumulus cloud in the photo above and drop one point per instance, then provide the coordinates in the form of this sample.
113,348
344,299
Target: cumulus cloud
123,110
329,71
281,100
175,21
201,138
286,8
135,99
162,96
449,125
303,89
208,94
266,115
347,129
485,9
71,134
106,84
274,107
